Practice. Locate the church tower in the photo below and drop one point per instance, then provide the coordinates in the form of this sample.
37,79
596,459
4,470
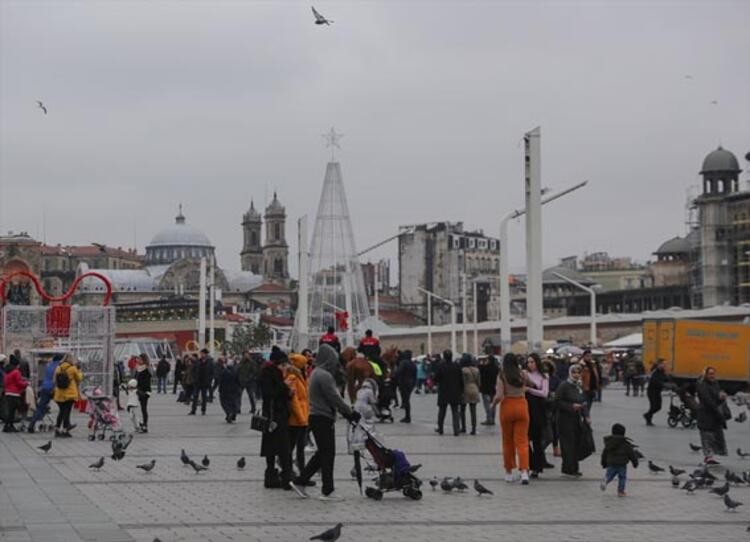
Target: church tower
275,249
251,256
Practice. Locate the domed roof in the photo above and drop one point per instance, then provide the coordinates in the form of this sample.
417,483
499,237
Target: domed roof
720,160
180,234
676,245
252,212
275,206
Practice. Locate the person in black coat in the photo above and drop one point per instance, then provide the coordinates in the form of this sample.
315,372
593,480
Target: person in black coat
179,370
162,370
203,372
275,441
711,418
656,384
229,393
488,369
450,382
406,378
570,401
143,388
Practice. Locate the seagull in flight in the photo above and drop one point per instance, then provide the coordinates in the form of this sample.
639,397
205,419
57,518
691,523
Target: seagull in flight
40,105
319,19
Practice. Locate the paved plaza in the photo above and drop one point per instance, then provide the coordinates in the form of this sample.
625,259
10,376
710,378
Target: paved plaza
55,497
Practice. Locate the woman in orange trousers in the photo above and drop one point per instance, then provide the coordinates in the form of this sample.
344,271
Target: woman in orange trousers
514,417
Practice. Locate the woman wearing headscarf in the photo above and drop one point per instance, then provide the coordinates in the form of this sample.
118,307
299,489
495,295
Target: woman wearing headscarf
711,418
571,403
470,373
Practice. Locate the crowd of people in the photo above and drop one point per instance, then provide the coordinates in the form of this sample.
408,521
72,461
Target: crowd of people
295,399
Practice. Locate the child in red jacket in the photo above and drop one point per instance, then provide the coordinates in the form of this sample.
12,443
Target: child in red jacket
15,385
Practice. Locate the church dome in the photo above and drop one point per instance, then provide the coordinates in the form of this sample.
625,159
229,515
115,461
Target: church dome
177,242
275,206
720,161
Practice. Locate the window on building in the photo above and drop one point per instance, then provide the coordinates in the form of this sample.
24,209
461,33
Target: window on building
278,266
277,231
253,238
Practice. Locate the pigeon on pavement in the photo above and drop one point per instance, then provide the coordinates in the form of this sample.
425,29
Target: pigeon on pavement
241,463
205,461
434,483
742,454
446,485
720,491
741,418
196,467
675,472
730,504
98,464
480,489
653,467
675,482
45,447
147,467
690,486
729,476
695,448
331,535
459,484
184,458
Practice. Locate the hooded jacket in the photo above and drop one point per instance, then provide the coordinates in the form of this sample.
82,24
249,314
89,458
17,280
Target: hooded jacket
618,451
75,376
299,403
324,395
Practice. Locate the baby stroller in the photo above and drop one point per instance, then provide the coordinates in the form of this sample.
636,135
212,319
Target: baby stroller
685,413
103,417
386,395
394,472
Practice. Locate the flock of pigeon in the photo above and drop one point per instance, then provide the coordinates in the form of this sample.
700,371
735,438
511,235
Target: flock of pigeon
448,484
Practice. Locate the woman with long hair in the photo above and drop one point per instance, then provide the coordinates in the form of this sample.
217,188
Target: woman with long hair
536,397
514,417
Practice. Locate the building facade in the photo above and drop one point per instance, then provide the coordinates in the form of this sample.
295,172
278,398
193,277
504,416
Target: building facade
271,259
446,260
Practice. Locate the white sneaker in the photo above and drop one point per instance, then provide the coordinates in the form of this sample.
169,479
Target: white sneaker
509,477
524,478
331,497
298,490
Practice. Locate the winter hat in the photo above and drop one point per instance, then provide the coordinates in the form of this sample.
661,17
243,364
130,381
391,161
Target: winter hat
277,355
618,429
132,383
298,360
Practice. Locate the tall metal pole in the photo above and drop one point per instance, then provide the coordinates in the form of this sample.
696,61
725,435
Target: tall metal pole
375,293
476,319
303,300
463,312
202,305
533,186
429,325
592,298
453,327
505,338
348,283
212,304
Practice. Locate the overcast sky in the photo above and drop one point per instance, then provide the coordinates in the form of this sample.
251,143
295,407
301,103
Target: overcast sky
213,103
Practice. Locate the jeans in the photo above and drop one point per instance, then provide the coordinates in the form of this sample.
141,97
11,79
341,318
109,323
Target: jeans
161,384
489,408
41,407
203,392
249,388
622,476
323,459
454,417
472,413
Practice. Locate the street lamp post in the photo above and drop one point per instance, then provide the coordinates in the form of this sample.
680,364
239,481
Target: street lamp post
448,302
505,341
591,293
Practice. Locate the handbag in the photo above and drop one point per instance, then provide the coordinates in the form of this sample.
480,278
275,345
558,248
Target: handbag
259,423
586,446
724,410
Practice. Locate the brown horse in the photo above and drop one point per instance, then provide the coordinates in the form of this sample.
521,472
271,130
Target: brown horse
357,371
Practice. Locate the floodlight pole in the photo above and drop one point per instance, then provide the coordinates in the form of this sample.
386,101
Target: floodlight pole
505,338
452,305
592,294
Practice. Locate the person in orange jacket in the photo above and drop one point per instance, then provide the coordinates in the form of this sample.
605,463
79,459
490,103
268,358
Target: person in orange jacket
299,407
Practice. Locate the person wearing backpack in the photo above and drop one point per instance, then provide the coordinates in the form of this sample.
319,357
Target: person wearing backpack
67,378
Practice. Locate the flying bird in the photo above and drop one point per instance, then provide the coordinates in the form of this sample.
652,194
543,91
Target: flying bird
714,102
196,467
720,491
319,19
331,535
742,454
147,467
730,504
653,467
241,463
126,443
45,447
118,455
675,472
695,448
434,483
98,464
688,76
41,106
480,489
205,461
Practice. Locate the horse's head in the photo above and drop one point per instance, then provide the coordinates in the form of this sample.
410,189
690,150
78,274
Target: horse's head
348,354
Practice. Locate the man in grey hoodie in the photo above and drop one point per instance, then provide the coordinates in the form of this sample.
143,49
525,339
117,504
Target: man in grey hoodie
324,402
